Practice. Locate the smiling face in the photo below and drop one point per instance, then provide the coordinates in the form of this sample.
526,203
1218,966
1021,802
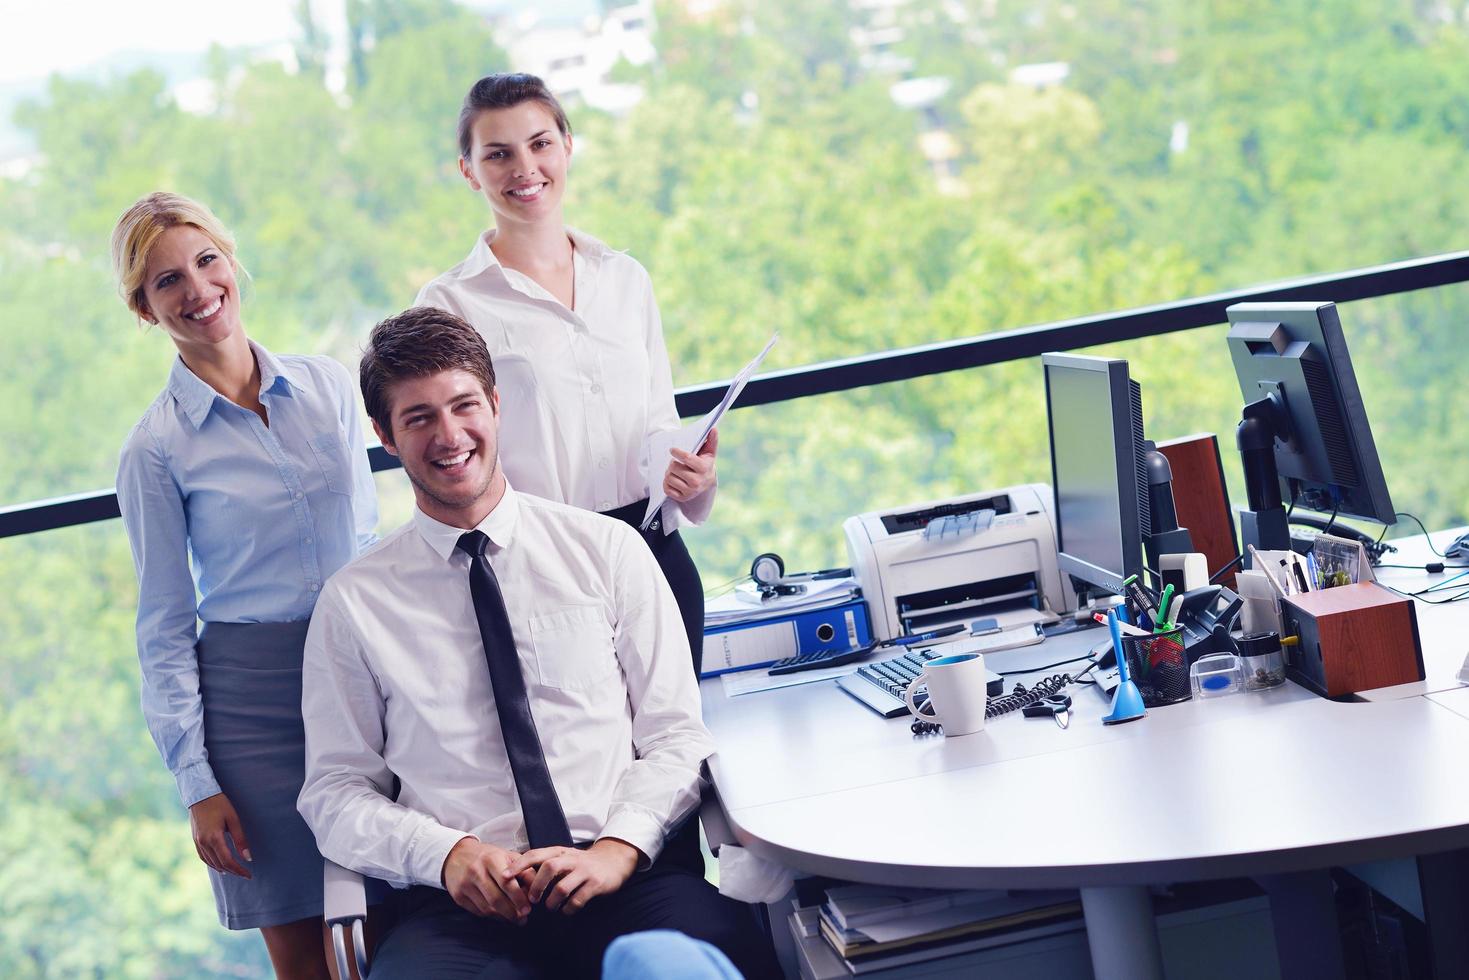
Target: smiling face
446,431
517,160
189,289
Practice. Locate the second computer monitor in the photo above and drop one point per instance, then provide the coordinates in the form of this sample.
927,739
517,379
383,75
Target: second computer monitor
1098,468
1310,430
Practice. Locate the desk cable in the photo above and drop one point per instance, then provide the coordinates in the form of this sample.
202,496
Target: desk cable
1422,595
1021,696
1459,549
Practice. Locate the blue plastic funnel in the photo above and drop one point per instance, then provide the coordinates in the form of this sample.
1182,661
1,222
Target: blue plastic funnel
1127,700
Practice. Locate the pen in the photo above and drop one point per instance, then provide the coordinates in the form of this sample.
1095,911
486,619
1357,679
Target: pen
1139,597
1174,611
1159,623
1285,574
1116,630
1314,569
1300,573
930,635
1264,569
1127,628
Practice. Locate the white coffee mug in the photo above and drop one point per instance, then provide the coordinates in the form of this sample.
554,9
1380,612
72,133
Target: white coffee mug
957,692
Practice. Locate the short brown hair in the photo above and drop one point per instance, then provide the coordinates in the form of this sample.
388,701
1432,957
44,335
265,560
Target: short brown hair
139,229
414,344
504,91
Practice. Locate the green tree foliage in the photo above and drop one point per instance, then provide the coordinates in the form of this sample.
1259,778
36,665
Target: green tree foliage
768,182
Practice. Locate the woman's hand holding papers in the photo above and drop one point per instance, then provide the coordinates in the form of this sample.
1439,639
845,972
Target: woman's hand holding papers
690,474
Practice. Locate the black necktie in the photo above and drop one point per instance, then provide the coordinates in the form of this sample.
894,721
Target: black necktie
545,823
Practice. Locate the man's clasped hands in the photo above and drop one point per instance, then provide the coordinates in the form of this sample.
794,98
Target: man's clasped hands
491,881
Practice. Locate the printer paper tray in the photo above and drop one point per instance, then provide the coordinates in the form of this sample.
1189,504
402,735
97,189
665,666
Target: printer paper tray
1013,610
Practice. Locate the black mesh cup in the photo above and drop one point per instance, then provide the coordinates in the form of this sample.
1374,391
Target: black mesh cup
1159,667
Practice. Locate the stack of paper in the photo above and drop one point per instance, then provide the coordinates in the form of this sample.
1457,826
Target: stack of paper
732,608
877,927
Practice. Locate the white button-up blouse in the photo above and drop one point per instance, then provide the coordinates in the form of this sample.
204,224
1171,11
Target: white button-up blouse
580,389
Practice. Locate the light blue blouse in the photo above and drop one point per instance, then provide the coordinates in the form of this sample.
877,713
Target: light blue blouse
266,513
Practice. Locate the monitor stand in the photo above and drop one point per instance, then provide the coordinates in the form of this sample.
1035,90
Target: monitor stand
1263,523
1165,537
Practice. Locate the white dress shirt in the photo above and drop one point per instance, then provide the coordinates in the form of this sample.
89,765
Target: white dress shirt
581,389
395,685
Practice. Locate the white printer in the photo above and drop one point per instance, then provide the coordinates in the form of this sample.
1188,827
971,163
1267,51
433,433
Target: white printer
952,561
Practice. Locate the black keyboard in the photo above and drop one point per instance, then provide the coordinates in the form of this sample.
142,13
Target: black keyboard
880,686
817,659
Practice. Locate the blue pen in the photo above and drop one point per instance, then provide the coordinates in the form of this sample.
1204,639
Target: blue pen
1314,570
930,635
1117,644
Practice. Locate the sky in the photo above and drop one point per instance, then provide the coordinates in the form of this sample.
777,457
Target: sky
65,36
41,37
98,38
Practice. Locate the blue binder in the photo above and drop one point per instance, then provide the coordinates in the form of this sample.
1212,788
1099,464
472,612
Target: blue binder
761,642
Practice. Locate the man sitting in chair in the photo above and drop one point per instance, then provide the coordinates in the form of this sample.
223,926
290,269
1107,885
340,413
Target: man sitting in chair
500,717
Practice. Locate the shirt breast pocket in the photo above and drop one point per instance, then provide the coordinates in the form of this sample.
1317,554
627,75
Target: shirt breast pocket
332,458
573,648
520,396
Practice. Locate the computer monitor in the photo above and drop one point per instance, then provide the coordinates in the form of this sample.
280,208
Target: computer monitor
1303,435
1098,469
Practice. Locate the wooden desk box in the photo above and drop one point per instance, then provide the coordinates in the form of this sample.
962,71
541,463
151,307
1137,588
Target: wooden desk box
1353,638
1202,500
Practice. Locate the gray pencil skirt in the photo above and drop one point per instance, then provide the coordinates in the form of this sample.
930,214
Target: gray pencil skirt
250,683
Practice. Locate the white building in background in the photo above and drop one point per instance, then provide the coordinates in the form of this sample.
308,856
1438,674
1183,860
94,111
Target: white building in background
200,96
19,166
1040,75
878,35
576,60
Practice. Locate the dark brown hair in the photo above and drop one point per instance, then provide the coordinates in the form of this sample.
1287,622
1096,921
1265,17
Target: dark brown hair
414,344
503,91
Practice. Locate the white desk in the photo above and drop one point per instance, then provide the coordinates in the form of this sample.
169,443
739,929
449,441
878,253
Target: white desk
1456,700
1254,784
1444,629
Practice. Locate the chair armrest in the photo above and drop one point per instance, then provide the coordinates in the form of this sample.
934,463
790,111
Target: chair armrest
344,905
344,896
717,831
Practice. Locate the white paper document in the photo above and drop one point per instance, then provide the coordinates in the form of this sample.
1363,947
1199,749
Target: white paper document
754,681
691,437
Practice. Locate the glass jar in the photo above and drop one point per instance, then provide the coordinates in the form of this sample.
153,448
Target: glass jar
1262,662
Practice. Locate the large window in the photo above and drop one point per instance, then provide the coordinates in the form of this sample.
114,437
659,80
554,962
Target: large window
858,175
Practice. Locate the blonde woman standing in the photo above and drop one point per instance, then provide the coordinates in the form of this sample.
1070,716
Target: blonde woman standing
243,487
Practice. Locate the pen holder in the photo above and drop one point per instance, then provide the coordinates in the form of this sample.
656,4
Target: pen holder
1159,667
1352,638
